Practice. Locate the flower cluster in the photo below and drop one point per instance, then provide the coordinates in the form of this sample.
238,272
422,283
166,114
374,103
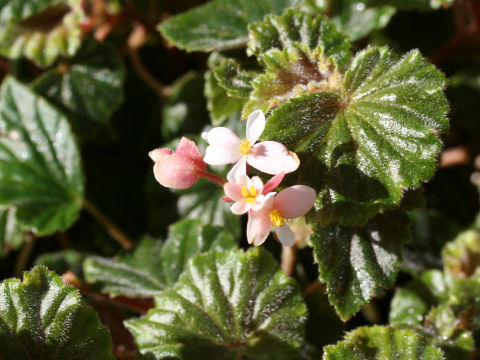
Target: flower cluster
265,208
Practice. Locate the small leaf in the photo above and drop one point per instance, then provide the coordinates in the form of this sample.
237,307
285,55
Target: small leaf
356,262
154,265
410,304
89,87
227,23
461,257
236,80
12,235
413,4
225,305
362,148
294,27
41,30
41,318
383,343
62,261
40,170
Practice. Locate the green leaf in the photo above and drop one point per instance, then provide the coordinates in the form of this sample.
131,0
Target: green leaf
12,235
225,305
41,30
461,257
41,318
383,343
357,262
295,27
362,148
413,4
40,169
409,304
89,87
236,80
154,266
62,261
220,24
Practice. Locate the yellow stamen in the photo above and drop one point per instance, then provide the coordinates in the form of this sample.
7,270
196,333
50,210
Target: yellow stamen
277,217
245,146
249,194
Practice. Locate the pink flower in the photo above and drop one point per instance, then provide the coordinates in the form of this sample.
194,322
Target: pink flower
290,203
180,169
270,157
246,193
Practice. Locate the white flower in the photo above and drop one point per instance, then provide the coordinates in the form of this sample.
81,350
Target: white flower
270,157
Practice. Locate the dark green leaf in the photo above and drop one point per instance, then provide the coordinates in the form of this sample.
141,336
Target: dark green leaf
62,261
154,265
225,305
362,148
412,4
383,343
12,236
41,30
356,262
41,318
40,170
236,80
220,24
88,87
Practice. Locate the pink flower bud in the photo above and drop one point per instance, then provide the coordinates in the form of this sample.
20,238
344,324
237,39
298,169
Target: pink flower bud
180,169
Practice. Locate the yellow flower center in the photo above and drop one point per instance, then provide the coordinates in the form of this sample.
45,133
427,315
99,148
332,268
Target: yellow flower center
277,217
249,194
245,146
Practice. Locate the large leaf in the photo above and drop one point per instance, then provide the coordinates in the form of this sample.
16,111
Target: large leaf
88,87
383,343
362,148
226,305
41,30
40,170
154,265
41,318
220,24
356,262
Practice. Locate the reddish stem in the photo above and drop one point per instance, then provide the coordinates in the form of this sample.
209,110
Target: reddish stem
213,178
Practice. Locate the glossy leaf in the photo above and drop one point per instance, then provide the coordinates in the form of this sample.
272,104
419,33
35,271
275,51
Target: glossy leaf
154,265
383,343
89,87
40,169
362,148
41,30
41,318
12,235
225,305
357,262
227,23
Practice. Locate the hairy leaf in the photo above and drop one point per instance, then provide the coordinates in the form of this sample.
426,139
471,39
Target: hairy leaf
356,262
225,305
154,265
362,148
236,80
227,23
41,318
40,170
385,343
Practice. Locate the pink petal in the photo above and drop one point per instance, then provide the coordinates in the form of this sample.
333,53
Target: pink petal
243,180
273,183
273,158
157,154
285,234
226,199
258,227
216,155
223,137
257,184
240,207
295,201
233,191
240,168
189,149
255,126
175,171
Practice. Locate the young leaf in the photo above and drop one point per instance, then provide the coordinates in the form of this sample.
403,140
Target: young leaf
362,148
40,170
292,27
41,30
461,257
154,265
386,343
220,24
41,318
233,78
225,305
356,262
88,87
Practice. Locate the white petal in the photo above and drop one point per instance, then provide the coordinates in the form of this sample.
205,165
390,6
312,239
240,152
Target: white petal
295,201
223,137
285,234
273,158
243,180
240,168
257,184
216,155
255,126
240,207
